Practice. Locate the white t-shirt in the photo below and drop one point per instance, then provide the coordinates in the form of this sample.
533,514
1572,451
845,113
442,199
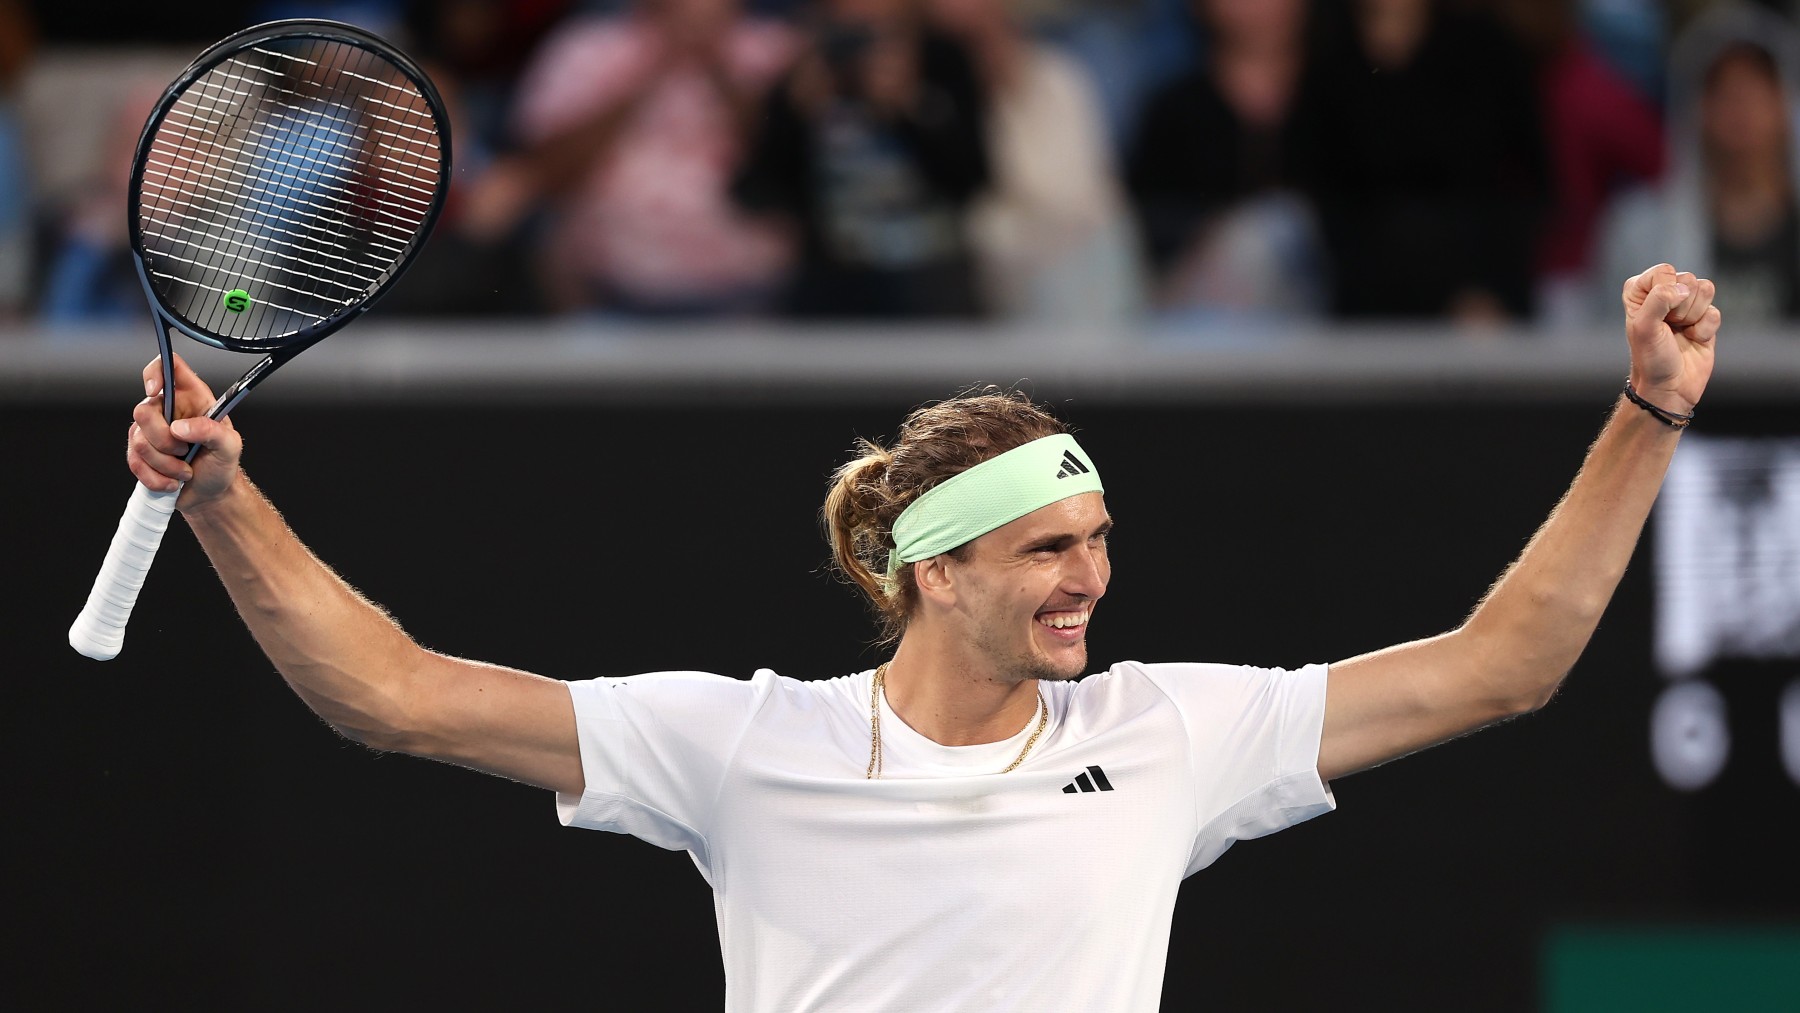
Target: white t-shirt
946,885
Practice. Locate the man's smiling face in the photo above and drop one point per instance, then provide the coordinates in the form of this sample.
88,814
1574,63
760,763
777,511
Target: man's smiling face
1026,591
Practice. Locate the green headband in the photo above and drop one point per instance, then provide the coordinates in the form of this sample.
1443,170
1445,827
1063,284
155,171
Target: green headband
997,491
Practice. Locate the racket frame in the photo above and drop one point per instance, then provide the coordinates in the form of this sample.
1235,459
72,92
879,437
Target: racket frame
287,346
100,629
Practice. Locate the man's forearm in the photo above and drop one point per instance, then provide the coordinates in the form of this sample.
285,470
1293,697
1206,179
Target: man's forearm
1523,638
1538,617
340,653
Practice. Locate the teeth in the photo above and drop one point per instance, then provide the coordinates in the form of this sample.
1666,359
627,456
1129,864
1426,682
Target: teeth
1064,620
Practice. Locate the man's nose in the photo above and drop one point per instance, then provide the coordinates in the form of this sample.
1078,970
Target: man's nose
1086,573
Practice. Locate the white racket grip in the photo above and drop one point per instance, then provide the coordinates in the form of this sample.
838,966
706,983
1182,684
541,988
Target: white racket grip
99,631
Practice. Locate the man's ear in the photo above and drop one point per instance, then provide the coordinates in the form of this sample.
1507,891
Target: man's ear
936,579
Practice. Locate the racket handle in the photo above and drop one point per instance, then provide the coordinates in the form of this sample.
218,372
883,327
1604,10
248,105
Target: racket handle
99,632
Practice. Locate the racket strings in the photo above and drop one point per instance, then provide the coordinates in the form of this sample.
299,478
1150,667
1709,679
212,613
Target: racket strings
275,196
290,112
202,115
301,171
196,109
323,133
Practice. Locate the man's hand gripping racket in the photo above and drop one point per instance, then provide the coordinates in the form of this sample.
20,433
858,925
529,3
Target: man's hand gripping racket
281,185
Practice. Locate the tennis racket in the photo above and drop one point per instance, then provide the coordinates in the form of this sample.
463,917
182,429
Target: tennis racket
281,185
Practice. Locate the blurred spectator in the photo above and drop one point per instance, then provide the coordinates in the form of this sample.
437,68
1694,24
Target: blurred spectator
17,40
1602,136
1728,207
383,17
478,262
1129,47
1050,235
483,45
91,274
874,146
634,124
1219,161
1432,174
1629,35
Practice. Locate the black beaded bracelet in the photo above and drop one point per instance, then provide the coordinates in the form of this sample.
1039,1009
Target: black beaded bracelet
1674,420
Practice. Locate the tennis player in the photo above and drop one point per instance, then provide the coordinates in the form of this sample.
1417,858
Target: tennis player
966,827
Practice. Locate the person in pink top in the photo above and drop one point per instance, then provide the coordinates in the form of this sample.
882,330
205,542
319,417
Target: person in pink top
633,126
1601,137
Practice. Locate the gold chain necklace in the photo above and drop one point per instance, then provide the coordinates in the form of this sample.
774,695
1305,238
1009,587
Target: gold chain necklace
875,687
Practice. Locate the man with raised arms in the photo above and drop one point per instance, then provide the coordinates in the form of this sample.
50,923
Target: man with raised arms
967,826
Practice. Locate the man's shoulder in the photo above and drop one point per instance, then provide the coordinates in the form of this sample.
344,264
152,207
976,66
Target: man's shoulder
1173,681
1134,673
681,694
1132,685
762,680
823,688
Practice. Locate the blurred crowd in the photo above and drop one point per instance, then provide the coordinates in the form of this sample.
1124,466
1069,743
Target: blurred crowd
1067,161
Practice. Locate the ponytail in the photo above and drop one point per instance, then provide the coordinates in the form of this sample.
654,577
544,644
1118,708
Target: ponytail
859,525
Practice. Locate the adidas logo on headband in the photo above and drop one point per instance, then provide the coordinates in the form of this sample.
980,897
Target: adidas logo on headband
997,491
1072,466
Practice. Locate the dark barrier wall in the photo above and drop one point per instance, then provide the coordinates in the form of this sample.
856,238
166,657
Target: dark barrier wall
185,833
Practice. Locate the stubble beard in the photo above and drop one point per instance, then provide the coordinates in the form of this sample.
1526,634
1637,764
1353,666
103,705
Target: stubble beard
1013,663
1015,667
1040,668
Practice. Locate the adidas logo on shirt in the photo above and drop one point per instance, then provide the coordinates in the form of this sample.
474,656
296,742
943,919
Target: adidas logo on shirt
1083,782
1072,466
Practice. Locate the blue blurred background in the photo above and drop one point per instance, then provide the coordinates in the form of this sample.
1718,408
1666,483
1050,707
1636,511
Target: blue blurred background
1330,287
1120,161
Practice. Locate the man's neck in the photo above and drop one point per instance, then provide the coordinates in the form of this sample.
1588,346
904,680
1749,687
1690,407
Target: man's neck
953,700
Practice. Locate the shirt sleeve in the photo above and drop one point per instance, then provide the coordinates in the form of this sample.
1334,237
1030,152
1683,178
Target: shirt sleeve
1253,743
654,750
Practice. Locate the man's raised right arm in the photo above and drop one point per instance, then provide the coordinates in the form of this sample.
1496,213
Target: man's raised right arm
351,664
